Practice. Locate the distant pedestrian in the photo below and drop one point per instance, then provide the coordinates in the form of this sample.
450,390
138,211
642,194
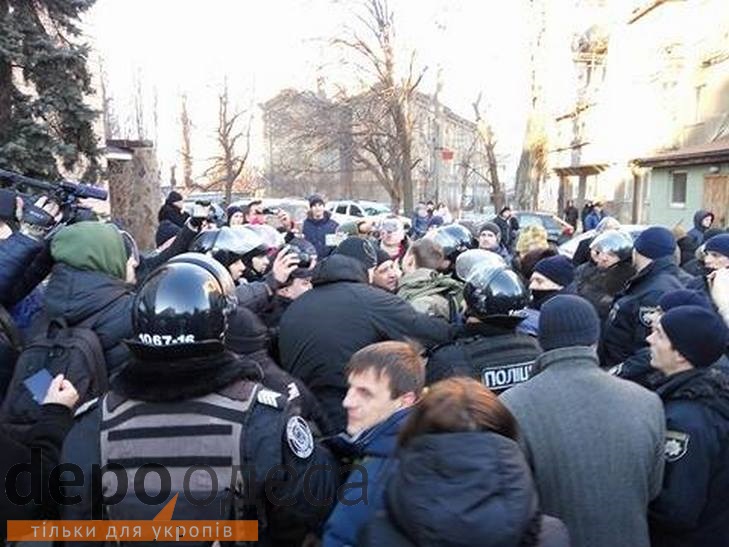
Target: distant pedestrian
586,210
594,217
319,227
703,220
571,214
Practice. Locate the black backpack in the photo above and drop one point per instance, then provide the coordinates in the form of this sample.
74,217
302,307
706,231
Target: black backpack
75,352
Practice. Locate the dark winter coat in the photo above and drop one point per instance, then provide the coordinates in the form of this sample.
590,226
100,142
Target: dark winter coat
47,435
571,214
325,326
627,326
149,263
266,441
495,354
316,230
508,237
693,508
462,489
374,450
697,232
600,286
101,302
582,253
249,337
19,273
173,214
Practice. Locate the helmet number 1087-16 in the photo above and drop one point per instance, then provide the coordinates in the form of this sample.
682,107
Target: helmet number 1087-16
166,339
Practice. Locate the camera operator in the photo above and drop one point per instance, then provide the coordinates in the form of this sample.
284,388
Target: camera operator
24,253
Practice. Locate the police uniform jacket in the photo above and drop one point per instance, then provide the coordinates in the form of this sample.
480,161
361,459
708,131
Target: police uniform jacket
628,323
492,352
693,508
224,418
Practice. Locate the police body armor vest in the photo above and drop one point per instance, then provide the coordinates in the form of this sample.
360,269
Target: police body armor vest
500,362
199,442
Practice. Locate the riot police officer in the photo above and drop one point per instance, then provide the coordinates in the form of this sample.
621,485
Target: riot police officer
454,239
235,248
198,415
487,346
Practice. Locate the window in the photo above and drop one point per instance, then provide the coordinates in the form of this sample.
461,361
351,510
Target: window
678,190
342,209
355,211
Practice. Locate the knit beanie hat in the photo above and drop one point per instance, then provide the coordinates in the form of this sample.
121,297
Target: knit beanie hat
173,197
382,257
491,227
568,320
718,244
684,297
557,268
655,242
315,199
698,334
360,249
233,209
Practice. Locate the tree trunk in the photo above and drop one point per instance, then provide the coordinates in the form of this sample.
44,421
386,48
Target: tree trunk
134,194
6,84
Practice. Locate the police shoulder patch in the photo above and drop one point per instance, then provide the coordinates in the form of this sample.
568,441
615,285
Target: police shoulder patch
646,313
268,397
299,437
676,445
617,370
86,407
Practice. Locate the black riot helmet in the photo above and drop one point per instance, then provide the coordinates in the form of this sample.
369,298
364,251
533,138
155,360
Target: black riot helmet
494,292
614,242
230,244
182,308
454,239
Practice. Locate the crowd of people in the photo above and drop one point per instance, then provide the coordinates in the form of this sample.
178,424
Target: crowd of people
374,383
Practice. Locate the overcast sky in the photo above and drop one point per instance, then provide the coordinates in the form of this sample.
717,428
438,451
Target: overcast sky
263,46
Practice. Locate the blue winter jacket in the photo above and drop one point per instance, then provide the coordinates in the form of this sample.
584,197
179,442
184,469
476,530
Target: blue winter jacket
315,232
628,324
16,254
697,232
375,450
592,220
693,507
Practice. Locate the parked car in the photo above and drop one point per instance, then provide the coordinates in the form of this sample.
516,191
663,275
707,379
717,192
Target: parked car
350,210
569,248
558,231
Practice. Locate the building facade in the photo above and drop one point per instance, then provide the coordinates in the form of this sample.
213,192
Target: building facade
641,86
310,145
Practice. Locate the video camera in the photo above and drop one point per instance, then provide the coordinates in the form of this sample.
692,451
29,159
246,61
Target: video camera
65,193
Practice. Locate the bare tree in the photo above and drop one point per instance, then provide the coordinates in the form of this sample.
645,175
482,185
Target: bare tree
487,136
382,124
110,120
186,151
138,121
228,165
